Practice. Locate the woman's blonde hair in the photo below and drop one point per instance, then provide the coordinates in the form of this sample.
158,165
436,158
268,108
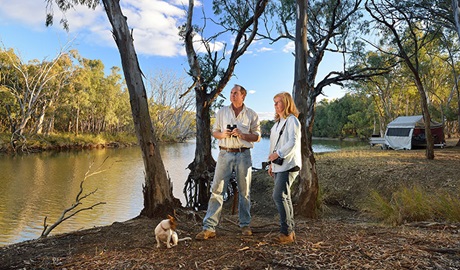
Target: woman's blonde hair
289,105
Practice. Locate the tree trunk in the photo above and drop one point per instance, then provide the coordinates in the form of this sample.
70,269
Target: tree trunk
307,193
458,118
203,166
427,118
158,197
22,125
456,12
41,120
77,121
50,126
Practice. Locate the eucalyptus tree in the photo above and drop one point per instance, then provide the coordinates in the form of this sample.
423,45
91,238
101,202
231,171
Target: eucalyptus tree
446,15
157,189
8,80
31,87
409,36
108,92
438,77
93,83
348,116
391,93
240,18
321,27
174,117
64,70
123,110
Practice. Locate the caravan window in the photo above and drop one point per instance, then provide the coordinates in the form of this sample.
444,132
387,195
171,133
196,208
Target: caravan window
398,132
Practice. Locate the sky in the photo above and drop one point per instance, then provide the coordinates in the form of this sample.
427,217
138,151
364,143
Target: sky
264,70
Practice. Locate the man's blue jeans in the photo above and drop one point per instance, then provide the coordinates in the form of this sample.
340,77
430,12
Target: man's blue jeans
227,162
282,199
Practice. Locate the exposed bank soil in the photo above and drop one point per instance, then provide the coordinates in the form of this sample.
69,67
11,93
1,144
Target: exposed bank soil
28,149
340,239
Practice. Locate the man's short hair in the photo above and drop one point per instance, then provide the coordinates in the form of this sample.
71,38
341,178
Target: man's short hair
242,89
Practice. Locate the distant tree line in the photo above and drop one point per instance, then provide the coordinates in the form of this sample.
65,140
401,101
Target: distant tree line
349,116
71,94
355,115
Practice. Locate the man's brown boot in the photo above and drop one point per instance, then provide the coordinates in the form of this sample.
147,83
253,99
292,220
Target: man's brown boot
205,234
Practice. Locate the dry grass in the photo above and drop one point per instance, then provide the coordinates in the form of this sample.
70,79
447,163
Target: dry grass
414,204
349,177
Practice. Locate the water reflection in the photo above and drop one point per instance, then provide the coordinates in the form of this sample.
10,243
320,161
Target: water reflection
39,185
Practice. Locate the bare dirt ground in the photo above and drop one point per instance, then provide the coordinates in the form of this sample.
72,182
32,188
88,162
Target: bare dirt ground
342,238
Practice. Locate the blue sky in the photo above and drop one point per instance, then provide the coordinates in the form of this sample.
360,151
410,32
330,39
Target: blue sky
263,70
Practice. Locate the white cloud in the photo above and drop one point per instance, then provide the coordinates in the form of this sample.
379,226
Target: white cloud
289,47
200,48
265,49
252,91
266,115
154,23
24,11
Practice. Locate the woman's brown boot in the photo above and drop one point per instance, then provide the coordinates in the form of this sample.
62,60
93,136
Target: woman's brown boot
286,239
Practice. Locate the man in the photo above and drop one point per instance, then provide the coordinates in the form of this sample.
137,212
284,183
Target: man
237,128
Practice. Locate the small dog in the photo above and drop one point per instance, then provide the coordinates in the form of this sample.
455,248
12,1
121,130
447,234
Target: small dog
165,232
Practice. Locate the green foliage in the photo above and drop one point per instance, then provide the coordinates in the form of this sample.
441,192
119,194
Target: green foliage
413,204
81,99
64,6
266,126
233,13
349,116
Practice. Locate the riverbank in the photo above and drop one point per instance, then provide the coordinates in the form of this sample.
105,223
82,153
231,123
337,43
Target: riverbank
63,142
343,237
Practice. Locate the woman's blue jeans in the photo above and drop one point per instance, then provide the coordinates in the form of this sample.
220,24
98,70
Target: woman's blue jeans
227,163
282,199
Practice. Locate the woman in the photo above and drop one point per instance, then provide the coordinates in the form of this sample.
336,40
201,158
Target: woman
285,161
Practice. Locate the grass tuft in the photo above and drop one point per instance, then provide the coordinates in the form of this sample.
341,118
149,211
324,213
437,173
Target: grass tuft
447,207
412,205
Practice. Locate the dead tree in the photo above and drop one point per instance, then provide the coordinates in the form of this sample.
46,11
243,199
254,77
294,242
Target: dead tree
72,210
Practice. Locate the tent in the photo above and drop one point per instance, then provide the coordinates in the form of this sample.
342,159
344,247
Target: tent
405,132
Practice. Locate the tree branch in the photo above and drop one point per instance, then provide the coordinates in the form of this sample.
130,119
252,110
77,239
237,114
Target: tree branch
67,213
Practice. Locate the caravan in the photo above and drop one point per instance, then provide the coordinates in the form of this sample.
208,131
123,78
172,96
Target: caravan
407,132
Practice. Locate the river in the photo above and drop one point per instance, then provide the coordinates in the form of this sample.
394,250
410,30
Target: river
41,185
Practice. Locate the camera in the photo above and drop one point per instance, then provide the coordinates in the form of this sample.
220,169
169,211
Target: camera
278,161
231,128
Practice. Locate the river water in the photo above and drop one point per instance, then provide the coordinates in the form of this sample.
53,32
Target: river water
41,185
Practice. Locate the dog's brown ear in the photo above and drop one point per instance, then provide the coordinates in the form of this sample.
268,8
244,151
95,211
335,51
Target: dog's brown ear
170,217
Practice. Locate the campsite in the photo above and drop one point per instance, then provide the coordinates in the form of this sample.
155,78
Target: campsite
408,132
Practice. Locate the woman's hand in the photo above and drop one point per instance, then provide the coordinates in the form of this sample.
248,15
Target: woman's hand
273,156
270,170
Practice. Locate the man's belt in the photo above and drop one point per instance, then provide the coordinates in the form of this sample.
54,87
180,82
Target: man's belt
242,149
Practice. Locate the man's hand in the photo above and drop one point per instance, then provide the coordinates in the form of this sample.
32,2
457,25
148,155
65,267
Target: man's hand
237,133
